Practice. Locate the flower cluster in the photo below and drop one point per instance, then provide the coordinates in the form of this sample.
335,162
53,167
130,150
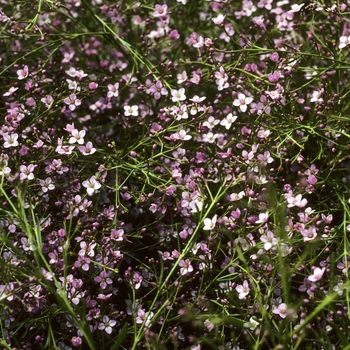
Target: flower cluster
174,175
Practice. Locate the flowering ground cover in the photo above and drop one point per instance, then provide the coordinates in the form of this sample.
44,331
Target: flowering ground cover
174,175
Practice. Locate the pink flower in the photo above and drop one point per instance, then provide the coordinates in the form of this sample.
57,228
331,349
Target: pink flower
265,3
317,274
161,10
309,234
72,101
103,279
281,310
22,73
113,90
186,267
265,158
243,290
144,317
136,280
48,100
88,149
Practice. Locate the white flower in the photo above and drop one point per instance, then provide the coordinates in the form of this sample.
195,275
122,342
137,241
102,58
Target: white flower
316,96
219,19
242,101
11,91
73,85
47,184
343,41
10,140
228,121
91,185
131,110
263,217
113,90
181,77
107,324
260,180
26,172
237,196
182,135
209,224
22,73
252,324
297,201
178,95
77,136
72,72
209,137
296,7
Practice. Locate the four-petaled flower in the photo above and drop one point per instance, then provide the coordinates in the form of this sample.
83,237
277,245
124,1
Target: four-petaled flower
228,121
242,102
281,310
178,95
131,110
186,267
243,290
343,41
107,324
72,101
209,224
252,324
10,140
77,136
46,185
91,185
317,274
87,149
26,172
113,90
22,73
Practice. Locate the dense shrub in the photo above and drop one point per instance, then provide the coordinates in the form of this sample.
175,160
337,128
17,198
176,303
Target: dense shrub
174,176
